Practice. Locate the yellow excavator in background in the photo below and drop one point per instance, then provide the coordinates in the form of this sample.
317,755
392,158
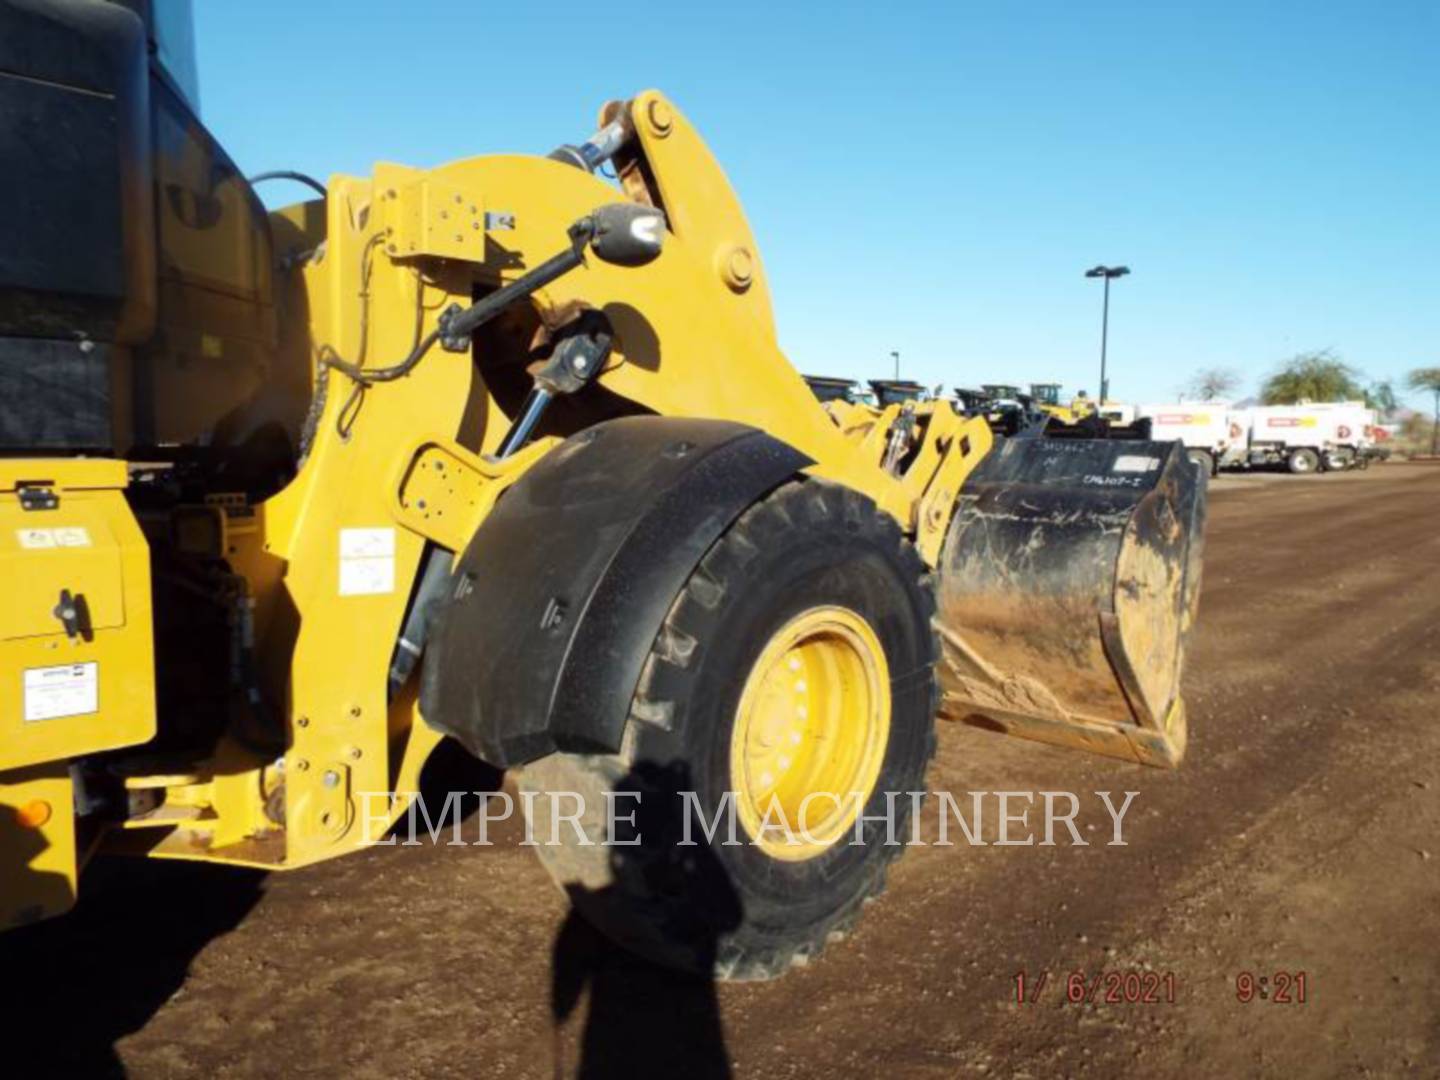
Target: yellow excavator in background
505,452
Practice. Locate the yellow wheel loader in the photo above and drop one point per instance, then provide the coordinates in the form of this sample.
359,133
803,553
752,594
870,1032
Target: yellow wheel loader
1046,397
506,452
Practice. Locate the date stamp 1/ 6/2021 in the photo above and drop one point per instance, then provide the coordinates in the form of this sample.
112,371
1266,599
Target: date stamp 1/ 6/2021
1107,987
1146,987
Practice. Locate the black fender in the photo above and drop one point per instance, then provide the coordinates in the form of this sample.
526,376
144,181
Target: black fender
551,611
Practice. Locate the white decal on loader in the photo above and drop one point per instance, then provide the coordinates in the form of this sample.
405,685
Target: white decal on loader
69,536
367,562
1135,463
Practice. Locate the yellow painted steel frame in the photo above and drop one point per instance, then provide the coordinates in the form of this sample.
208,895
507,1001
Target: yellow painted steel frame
64,691
332,558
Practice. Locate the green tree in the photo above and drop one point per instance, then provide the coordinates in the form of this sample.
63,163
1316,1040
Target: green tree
1312,376
1208,384
1381,395
1428,378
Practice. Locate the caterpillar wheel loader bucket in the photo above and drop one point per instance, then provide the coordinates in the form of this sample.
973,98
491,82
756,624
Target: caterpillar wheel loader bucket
1068,584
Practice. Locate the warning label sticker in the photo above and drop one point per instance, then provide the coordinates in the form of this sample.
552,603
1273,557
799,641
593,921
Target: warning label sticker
67,690
66,536
367,562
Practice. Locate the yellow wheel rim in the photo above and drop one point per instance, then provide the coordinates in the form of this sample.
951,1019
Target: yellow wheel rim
810,733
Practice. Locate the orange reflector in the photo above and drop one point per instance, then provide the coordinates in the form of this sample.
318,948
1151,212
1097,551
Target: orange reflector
33,814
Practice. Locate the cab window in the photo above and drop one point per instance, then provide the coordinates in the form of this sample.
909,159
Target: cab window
174,32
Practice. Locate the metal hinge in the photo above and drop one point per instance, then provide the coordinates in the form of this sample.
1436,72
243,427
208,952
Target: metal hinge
38,498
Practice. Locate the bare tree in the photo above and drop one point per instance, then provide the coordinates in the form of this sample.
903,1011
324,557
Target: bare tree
1208,384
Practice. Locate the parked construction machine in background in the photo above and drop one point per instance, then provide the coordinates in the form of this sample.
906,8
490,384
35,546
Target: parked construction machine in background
898,391
505,452
1046,397
832,388
1007,411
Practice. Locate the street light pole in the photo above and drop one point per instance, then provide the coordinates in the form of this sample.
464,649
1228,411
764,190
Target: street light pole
1107,273
1104,339
895,355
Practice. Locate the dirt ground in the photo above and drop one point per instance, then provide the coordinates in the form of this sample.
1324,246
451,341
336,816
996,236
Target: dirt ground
1301,835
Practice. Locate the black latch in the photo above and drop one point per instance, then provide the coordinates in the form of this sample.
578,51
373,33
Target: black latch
38,498
74,614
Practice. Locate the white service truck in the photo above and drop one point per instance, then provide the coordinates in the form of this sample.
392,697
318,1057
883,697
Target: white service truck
1203,426
1306,438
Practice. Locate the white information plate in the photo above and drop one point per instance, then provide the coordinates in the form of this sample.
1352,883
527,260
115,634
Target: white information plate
66,690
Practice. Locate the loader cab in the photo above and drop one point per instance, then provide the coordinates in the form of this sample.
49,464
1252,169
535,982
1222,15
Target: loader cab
136,307
172,34
202,379
1001,391
897,391
830,388
1046,394
1005,408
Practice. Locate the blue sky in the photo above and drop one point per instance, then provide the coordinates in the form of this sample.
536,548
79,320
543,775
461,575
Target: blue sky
935,178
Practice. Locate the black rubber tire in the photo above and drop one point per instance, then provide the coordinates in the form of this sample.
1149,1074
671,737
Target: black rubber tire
736,911
1303,461
1204,459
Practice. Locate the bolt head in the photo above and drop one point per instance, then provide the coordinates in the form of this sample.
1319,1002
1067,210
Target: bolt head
737,267
331,779
662,120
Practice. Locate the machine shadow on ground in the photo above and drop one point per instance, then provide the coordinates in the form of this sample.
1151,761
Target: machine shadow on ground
614,1013
113,962
642,1019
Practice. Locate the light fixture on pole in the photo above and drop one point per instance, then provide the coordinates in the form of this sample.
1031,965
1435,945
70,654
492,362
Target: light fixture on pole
1108,273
